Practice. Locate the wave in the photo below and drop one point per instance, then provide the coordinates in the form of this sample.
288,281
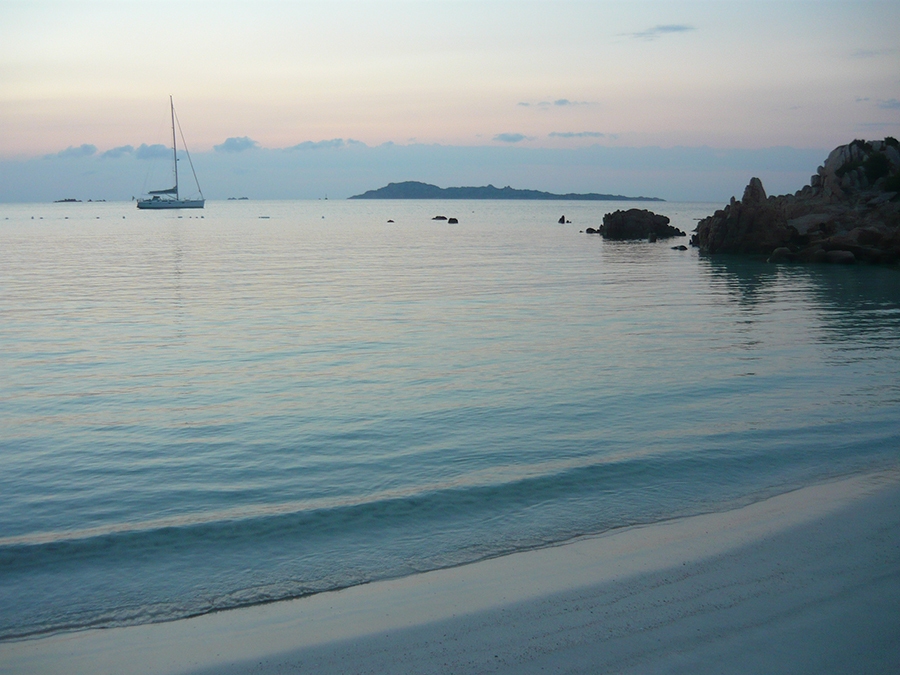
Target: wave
218,561
323,549
46,551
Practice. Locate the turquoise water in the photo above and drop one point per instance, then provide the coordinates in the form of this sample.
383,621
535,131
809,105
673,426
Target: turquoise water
262,400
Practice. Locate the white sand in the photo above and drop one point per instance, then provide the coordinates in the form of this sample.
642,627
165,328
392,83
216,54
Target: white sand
806,582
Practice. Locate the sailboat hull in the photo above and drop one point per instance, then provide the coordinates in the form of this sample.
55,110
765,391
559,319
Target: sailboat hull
171,203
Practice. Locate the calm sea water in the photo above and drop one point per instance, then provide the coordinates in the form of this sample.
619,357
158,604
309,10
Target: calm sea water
260,400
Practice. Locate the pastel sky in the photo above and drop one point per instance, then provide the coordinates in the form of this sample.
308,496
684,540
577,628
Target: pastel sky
371,85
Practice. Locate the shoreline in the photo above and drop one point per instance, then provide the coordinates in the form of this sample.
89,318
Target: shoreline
791,582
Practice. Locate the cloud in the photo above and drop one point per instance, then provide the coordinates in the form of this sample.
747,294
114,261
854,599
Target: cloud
872,53
156,151
115,153
889,104
659,31
559,103
236,145
85,150
576,134
320,145
510,138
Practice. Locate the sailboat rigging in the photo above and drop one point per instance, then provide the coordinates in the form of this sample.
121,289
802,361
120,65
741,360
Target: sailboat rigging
170,198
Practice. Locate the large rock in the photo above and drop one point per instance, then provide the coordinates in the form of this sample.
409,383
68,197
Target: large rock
850,211
637,224
752,225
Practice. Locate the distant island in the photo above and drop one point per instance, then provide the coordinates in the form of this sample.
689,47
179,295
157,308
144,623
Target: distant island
416,190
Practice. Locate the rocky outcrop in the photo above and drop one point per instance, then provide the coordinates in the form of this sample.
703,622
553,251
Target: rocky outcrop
849,212
637,224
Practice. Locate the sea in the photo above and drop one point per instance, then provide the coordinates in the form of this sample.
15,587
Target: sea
262,400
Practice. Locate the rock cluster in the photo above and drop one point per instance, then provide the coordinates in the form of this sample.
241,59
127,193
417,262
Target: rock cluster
636,224
849,212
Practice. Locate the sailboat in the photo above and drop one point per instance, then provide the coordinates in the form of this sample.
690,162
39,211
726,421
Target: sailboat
170,198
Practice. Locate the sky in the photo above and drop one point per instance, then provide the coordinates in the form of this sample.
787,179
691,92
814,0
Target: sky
281,100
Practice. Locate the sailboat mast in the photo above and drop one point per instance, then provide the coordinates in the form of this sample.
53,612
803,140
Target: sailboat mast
174,146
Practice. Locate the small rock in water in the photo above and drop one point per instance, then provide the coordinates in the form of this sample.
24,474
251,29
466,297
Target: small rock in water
840,257
781,254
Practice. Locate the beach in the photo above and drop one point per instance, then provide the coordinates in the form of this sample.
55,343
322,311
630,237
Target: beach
803,582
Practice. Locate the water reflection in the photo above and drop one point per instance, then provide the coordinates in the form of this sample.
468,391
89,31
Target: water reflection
746,281
854,306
